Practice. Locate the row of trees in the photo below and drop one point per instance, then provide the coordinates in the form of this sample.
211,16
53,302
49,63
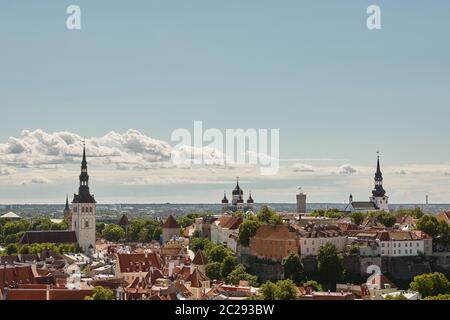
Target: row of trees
14,248
140,230
12,231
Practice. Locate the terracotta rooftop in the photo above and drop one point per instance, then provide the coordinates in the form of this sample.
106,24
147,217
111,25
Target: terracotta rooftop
230,222
275,232
171,223
136,262
200,259
321,231
123,221
196,278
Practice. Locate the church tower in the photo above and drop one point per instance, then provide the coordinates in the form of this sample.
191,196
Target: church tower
379,197
83,211
68,214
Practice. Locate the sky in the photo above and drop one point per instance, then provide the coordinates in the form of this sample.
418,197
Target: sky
136,72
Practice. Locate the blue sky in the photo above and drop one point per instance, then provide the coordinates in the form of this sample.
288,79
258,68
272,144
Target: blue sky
310,68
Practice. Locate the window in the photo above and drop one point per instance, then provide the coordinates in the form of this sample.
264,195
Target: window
410,244
86,223
410,251
382,251
417,243
395,251
382,245
406,251
75,209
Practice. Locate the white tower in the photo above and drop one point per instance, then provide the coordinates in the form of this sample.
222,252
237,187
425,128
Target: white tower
379,197
83,211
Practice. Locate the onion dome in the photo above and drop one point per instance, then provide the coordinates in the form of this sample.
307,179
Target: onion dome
250,199
238,191
224,200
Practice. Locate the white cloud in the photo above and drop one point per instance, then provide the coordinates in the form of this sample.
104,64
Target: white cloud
37,180
38,149
347,169
301,167
5,171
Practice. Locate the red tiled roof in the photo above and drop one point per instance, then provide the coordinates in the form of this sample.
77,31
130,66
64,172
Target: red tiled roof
41,294
230,222
200,259
275,232
171,223
136,262
123,221
15,275
196,278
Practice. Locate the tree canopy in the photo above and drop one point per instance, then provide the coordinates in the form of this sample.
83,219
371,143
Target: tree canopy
431,284
113,232
330,264
293,268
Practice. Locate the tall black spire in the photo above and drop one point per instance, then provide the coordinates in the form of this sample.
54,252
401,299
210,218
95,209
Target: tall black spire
84,195
67,208
378,191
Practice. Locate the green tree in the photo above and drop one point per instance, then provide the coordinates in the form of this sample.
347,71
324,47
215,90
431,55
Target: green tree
99,227
267,215
354,249
417,213
286,290
431,284
101,293
439,297
113,232
217,253
198,244
214,271
25,249
240,274
315,285
330,264
396,297
228,265
14,227
429,225
268,291
357,217
387,219
293,268
11,249
248,230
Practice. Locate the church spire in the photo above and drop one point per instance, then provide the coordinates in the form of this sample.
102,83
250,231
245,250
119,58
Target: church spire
84,162
67,208
378,191
84,195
